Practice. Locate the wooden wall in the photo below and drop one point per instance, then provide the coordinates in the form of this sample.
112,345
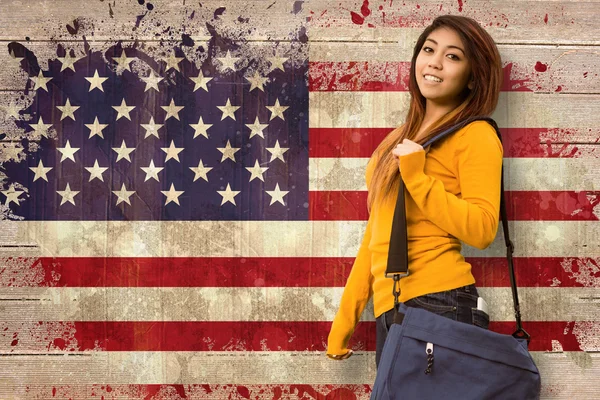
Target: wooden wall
358,54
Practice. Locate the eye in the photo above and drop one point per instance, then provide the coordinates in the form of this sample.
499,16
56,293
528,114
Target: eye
453,57
427,49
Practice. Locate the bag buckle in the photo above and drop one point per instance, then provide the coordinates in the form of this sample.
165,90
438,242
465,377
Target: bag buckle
396,287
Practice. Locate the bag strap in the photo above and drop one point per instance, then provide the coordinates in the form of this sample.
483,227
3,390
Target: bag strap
397,265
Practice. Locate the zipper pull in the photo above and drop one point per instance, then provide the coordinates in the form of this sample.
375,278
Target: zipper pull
429,352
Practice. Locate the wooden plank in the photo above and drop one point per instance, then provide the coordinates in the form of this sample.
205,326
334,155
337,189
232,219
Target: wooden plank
26,58
515,110
537,68
565,69
521,174
545,22
262,239
256,304
257,368
167,21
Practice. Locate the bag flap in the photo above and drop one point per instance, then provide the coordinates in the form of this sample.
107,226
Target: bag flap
469,339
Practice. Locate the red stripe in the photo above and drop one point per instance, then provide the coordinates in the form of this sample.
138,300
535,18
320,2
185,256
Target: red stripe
265,272
523,206
243,336
379,76
518,142
198,391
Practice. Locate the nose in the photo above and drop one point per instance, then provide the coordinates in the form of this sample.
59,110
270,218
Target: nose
435,61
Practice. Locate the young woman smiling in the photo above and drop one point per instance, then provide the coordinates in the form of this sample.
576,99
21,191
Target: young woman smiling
452,189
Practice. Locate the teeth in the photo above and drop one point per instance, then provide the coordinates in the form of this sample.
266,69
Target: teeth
432,78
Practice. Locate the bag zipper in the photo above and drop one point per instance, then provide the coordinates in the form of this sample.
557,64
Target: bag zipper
429,352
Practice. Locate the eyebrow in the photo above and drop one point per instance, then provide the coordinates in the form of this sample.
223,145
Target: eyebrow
450,47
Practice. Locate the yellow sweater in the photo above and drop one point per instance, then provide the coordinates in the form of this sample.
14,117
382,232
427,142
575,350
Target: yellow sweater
452,195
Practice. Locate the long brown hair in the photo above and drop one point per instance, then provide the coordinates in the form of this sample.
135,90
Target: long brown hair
486,73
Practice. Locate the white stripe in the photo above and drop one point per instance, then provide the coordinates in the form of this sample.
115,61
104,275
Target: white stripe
521,174
515,110
261,239
569,375
258,304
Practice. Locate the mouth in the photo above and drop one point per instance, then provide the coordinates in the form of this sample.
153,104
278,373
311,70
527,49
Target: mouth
432,78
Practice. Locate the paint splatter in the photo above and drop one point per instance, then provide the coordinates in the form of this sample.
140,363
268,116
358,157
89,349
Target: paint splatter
186,40
73,29
460,5
541,67
357,19
218,12
364,9
546,19
297,6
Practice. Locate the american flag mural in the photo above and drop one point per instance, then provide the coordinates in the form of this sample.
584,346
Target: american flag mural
182,191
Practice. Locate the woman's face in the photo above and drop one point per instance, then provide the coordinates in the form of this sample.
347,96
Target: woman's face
442,69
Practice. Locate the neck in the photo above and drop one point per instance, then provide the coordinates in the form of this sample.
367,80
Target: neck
435,111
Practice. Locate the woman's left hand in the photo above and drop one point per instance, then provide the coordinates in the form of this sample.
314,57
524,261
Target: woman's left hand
406,147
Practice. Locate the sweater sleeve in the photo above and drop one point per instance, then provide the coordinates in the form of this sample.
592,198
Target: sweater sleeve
472,218
357,292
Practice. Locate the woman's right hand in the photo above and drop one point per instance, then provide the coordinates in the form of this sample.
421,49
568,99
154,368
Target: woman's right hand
340,357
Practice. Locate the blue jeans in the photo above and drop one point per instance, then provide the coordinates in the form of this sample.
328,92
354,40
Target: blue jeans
458,304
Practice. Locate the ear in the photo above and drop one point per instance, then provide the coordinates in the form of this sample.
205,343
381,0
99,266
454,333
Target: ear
471,84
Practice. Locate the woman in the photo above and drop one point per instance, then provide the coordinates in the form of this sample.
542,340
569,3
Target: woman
452,189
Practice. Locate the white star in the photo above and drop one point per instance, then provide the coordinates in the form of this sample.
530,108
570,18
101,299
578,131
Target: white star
151,128
201,128
277,62
67,62
172,62
40,81
16,60
40,171
228,62
257,171
277,195
172,110
277,110
257,128
172,195
96,171
123,151
96,128
67,152
152,81
123,194
41,127
228,195
200,171
123,110
277,152
152,171
12,195
228,152
96,82
11,110
172,152
228,110
67,195
68,110
123,61
200,81
257,82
